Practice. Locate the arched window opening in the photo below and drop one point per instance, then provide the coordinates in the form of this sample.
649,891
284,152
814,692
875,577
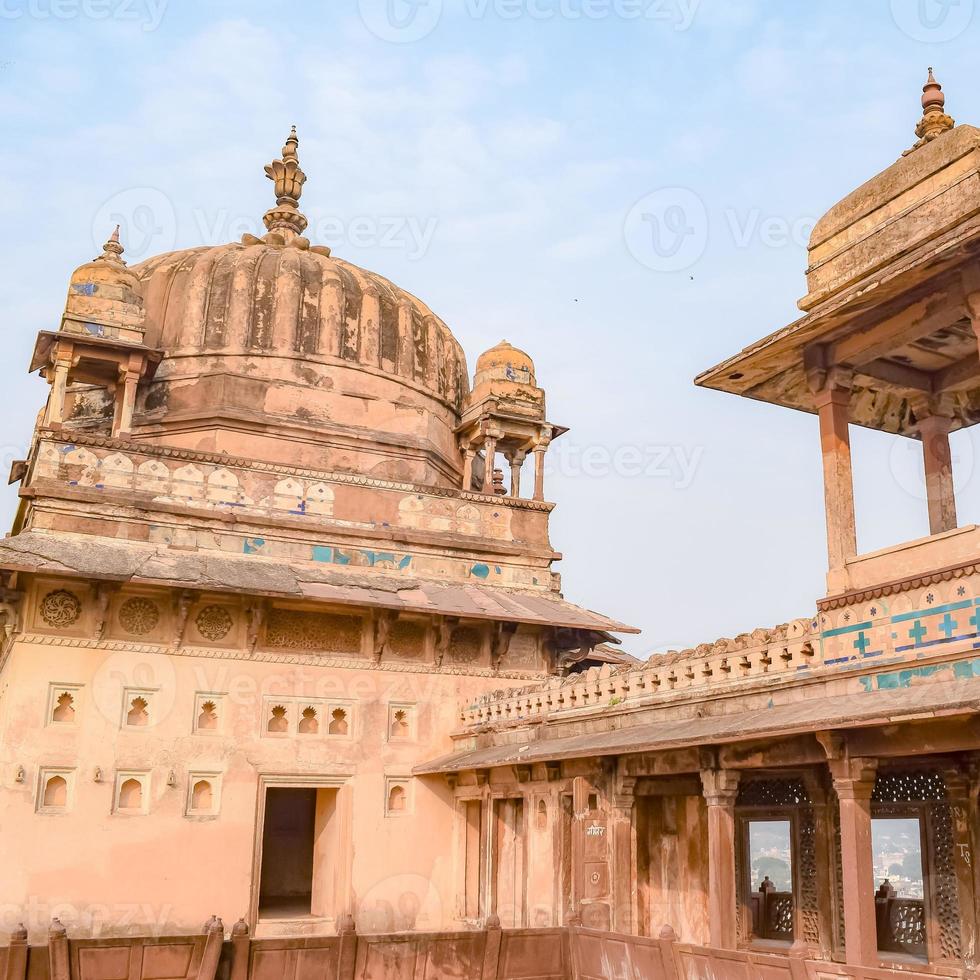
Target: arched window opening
397,799
64,710
131,795
56,792
338,722
138,715
278,723
202,796
207,720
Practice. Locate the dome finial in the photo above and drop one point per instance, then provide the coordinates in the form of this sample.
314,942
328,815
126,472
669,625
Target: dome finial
934,121
112,250
285,173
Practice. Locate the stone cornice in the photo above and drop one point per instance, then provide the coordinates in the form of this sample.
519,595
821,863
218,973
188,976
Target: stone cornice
898,586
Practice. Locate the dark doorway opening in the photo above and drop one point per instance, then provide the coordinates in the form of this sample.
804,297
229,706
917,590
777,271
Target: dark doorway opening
288,834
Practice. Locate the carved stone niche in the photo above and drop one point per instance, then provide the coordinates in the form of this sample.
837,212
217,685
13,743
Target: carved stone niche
140,618
319,632
408,639
61,607
213,623
468,645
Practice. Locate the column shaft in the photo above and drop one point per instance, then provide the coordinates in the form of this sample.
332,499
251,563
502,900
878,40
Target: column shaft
539,472
56,400
489,453
720,791
854,783
938,464
835,443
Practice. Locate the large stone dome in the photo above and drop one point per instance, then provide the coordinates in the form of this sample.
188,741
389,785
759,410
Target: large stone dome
275,349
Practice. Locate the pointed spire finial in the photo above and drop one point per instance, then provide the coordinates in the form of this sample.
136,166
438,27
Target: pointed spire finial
288,178
934,121
113,250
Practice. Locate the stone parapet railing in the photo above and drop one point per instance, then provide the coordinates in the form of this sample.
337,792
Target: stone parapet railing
491,953
888,638
784,652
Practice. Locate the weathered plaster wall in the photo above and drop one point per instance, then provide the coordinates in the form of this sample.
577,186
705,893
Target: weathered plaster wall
104,870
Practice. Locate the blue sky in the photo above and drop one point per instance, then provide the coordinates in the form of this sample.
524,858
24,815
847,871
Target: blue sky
496,157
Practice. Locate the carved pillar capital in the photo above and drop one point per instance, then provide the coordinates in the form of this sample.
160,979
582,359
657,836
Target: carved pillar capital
854,778
624,795
720,786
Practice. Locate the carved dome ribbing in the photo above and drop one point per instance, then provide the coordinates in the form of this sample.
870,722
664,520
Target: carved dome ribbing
288,301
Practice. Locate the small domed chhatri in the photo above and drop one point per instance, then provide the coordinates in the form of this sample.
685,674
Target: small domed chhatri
505,413
100,342
504,363
105,298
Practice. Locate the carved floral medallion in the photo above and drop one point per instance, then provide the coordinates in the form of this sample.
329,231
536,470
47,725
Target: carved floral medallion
61,609
139,616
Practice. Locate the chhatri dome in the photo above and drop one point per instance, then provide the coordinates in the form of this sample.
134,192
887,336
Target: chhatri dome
275,349
504,362
271,349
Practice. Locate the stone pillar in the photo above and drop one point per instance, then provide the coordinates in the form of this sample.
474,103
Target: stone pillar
854,781
623,855
720,792
17,953
516,462
539,452
973,301
58,965
240,950
958,789
938,463
59,384
973,819
125,403
823,851
832,402
468,455
489,452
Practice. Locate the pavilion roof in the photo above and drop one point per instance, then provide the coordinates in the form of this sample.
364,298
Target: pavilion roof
58,553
